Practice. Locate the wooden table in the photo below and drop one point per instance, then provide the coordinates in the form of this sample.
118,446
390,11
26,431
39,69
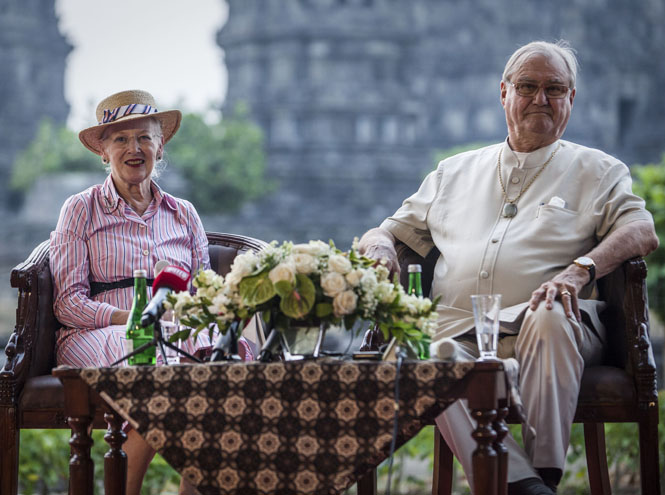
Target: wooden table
295,427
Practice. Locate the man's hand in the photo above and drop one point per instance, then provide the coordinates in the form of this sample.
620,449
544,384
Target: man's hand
566,287
379,244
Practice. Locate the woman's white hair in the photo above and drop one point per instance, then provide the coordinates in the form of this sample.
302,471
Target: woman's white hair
560,49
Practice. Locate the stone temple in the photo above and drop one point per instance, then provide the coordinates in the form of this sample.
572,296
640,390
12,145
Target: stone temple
354,95
32,61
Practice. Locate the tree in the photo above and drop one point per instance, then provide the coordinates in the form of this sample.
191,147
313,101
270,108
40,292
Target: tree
649,183
223,163
54,149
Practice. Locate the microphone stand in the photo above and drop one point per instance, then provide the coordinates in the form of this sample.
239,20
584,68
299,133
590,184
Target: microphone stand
228,343
159,342
269,350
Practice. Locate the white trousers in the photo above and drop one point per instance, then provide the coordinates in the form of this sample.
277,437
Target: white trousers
552,351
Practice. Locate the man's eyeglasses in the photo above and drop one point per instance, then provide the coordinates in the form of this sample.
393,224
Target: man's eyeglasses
530,89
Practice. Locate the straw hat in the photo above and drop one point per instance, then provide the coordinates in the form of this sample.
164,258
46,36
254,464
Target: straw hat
128,105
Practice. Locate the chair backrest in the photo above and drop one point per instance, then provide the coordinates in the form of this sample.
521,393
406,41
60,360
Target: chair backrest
30,350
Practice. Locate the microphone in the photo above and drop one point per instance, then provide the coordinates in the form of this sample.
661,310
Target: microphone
171,278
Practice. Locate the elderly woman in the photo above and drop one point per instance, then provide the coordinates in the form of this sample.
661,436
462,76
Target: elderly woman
109,230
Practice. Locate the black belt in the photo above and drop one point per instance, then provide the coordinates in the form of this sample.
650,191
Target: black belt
99,287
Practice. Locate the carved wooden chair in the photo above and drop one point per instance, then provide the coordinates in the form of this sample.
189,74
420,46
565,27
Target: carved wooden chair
622,390
30,397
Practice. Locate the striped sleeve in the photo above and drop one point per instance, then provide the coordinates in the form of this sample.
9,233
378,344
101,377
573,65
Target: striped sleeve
70,268
200,254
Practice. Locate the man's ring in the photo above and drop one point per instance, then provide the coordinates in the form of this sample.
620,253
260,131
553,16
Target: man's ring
565,293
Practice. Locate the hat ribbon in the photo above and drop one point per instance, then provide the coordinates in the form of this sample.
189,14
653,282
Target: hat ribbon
123,111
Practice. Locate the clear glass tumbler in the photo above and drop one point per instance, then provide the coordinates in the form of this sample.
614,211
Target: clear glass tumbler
486,309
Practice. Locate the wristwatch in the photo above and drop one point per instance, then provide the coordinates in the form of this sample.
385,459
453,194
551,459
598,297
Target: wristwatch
588,264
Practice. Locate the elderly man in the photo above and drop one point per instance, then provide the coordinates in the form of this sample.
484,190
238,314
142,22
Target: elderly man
536,219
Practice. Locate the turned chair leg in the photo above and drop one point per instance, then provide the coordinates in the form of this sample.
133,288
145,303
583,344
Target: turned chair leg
649,469
596,458
367,484
442,478
10,440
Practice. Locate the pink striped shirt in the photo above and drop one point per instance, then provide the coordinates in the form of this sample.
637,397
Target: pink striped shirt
100,237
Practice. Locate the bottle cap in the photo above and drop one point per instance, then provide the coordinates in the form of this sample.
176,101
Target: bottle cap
140,273
415,268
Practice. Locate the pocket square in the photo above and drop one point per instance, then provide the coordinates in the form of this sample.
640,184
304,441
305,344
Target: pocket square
557,201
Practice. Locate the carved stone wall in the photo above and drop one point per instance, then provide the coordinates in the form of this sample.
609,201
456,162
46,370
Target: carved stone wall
32,61
354,95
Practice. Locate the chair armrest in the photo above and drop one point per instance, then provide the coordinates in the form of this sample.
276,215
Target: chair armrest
627,322
20,348
641,363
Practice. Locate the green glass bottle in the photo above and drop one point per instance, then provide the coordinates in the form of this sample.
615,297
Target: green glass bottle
136,334
416,289
415,281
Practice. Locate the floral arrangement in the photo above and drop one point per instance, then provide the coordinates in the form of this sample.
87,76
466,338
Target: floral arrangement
309,283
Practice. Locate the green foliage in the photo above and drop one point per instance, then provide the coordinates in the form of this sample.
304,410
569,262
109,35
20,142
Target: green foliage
649,183
44,464
223,163
55,149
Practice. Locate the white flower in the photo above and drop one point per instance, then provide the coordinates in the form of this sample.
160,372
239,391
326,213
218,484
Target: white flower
219,304
353,277
385,292
305,263
244,264
284,271
340,264
344,303
382,272
368,280
332,283
313,248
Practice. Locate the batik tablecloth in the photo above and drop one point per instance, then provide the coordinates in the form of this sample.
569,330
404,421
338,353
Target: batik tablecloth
278,428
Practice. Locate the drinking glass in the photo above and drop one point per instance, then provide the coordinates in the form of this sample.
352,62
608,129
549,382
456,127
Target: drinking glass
170,325
486,308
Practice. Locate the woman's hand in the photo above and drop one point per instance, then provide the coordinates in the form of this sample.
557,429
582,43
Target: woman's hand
119,317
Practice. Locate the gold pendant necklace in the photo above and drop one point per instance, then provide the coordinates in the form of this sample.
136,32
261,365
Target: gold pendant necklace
510,208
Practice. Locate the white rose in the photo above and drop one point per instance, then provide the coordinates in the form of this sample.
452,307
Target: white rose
339,264
305,263
332,283
353,277
244,264
283,271
344,303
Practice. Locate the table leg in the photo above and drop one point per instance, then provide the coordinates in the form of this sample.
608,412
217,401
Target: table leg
484,459
80,418
367,484
501,450
115,460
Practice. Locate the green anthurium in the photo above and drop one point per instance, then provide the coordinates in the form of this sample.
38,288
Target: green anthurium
284,288
299,301
323,309
257,289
